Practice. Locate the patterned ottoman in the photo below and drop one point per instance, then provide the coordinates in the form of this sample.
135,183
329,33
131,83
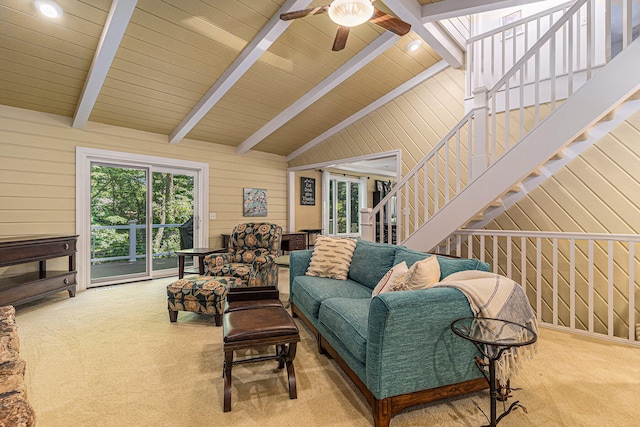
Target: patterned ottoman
200,294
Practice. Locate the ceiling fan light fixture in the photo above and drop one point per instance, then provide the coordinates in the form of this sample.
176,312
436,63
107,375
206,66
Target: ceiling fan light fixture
48,8
349,13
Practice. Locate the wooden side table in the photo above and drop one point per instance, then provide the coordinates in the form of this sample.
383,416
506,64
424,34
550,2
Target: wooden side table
198,252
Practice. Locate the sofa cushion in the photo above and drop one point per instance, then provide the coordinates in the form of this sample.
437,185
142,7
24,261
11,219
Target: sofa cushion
347,319
447,265
409,256
311,291
371,261
331,257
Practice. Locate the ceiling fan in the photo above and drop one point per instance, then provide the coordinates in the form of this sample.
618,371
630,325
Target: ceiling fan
350,13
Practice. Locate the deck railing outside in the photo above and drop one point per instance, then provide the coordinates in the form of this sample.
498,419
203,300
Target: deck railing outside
134,247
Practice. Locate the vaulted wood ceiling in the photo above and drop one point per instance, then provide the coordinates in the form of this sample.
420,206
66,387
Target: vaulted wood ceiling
226,72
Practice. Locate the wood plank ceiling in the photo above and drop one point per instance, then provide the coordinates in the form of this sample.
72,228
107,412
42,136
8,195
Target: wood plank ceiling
173,52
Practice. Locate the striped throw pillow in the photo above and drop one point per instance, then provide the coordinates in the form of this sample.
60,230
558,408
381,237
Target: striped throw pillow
331,257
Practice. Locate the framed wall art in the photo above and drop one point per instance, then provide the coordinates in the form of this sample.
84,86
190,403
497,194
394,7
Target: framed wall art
307,191
510,19
255,202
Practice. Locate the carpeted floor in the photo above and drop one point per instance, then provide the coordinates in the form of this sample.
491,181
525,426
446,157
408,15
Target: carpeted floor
110,357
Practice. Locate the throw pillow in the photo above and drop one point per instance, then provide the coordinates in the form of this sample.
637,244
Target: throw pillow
384,285
423,274
331,257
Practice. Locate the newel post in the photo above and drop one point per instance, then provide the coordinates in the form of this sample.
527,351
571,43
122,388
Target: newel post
366,224
480,159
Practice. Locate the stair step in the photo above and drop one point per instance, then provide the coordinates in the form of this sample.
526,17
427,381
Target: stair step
535,172
582,137
478,217
496,203
515,189
558,156
609,116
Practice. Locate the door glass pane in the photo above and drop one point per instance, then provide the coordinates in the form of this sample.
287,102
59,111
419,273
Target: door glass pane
355,207
172,201
118,221
342,207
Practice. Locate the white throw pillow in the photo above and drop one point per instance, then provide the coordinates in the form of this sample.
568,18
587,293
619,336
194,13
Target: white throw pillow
422,275
384,285
331,257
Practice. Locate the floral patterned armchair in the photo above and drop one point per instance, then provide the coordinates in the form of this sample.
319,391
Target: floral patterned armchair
253,248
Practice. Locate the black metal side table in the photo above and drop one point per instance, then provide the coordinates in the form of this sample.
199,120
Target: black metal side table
492,337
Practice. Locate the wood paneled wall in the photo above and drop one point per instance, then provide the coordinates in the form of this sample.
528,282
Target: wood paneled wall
37,172
414,122
597,192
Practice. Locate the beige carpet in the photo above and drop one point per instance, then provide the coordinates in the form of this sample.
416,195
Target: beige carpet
110,357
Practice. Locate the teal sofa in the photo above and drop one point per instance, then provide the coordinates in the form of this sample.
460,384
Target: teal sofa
398,347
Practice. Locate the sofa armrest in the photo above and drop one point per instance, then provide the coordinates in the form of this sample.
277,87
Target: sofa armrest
410,345
298,264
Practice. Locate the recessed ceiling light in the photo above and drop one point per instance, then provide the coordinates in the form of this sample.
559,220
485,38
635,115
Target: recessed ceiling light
48,8
414,45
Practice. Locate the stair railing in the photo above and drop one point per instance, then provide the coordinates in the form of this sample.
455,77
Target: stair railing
437,178
559,62
491,54
563,59
585,283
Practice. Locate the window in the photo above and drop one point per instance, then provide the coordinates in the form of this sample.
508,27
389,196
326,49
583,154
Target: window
345,200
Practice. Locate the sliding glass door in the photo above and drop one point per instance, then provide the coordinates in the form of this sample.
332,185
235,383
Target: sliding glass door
139,217
173,199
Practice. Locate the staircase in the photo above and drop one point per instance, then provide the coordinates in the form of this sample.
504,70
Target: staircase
554,102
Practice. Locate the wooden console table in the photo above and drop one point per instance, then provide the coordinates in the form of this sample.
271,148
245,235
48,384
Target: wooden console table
289,242
293,242
21,288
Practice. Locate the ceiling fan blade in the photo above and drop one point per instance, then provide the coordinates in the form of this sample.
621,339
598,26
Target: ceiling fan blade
341,38
302,13
390,23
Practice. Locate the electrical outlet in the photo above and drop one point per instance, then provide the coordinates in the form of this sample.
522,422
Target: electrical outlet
212,215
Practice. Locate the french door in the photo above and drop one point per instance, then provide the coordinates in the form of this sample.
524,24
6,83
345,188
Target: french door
136,215
346,198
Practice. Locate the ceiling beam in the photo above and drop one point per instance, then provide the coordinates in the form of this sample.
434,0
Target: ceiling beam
112,33
385,99
410,11
249,55
346,70
437,11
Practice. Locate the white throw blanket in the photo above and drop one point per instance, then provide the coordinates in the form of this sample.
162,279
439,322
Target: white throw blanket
496,296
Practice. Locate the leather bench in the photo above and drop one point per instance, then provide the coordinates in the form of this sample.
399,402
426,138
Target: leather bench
255,317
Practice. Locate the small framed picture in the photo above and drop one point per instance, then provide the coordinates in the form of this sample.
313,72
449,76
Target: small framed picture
510,19
255,202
